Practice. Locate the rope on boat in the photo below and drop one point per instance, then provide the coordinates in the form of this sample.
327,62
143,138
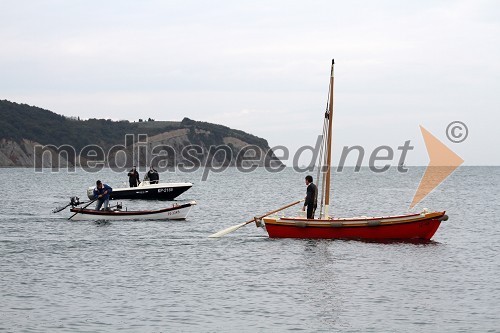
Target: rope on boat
322,156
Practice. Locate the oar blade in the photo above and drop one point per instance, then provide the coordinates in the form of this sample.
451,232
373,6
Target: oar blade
227,230
236,227
58,209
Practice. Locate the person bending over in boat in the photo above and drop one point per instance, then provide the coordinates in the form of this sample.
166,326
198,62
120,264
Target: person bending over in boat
101,193
133,177
311,201
153,176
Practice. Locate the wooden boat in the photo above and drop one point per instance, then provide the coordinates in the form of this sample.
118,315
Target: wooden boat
145,190
175,212
404,227
400,227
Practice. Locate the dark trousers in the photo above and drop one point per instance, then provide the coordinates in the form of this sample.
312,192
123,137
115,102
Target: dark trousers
310,211
133,183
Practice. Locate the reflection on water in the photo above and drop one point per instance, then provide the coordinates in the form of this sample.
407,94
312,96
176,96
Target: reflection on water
154,276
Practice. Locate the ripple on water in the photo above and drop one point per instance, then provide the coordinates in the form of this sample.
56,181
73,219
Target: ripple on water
57,275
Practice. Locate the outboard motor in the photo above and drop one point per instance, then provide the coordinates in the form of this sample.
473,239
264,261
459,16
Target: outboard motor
75,201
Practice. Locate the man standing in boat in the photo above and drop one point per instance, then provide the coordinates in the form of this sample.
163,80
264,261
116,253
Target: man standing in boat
153,176
101,194
311,201
133,177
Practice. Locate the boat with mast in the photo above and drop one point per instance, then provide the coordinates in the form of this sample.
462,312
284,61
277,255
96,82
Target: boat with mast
420,226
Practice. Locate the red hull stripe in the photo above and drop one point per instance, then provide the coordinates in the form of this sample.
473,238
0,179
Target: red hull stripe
124,213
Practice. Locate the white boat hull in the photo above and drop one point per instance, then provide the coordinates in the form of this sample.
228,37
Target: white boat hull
176,212
146,191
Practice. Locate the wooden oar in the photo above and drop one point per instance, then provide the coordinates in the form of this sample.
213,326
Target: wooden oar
74,201
58,209
236,227
82,208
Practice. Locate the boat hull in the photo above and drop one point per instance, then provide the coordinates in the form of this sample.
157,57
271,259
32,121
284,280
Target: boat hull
404,227
176,212
162,191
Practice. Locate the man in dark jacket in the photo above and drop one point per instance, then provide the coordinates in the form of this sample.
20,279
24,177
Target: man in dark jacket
101,193
153,176
311,201
133,177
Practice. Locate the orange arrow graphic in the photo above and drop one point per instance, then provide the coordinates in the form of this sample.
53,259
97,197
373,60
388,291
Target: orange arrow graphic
443,161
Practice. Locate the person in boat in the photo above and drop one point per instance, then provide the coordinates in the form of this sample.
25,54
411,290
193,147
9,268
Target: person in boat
153,176
101,194
133,177
311,201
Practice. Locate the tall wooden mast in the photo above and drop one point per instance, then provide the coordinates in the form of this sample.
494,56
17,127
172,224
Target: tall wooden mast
329,146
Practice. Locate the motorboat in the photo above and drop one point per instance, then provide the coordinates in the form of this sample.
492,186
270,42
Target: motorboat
146,190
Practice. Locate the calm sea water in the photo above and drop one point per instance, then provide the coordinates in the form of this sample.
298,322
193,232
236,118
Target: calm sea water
61,276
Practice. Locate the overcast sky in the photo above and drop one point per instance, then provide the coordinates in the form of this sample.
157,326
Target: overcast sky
263,67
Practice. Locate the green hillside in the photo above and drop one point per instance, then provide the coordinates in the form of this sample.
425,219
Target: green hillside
22,121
